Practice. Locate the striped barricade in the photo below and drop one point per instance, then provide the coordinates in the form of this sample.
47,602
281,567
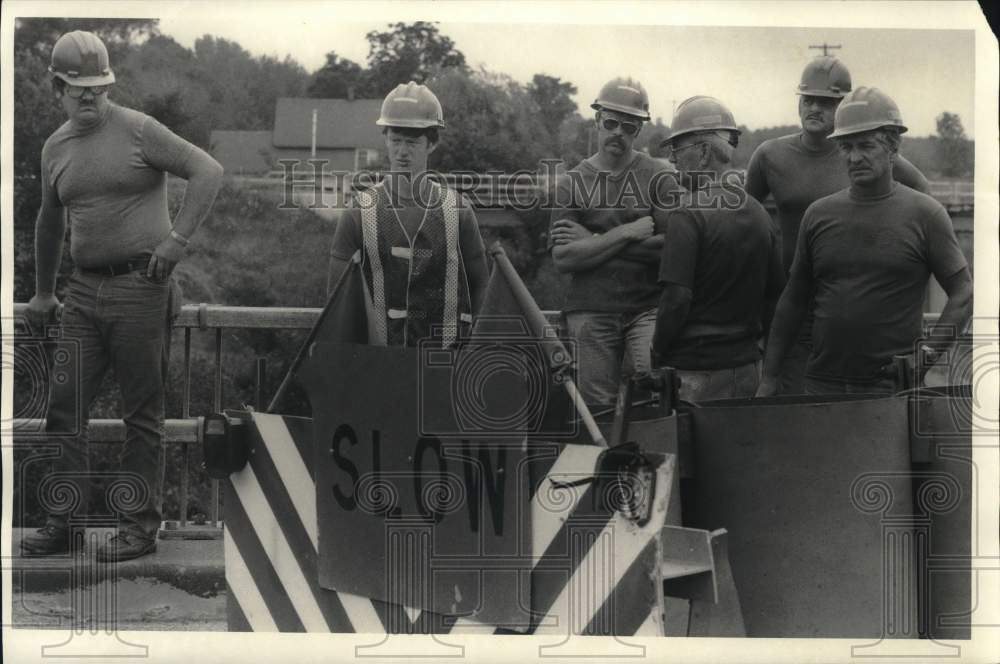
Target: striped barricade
593,570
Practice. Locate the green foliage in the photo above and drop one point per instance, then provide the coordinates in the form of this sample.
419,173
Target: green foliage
954,150
39,34
577,139
651,136
554,99
405,52
408,52
491,123
218,85
338,78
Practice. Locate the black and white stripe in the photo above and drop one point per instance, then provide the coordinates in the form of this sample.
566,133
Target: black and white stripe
592,571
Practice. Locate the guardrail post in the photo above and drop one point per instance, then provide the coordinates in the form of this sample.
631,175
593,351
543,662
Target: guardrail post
186,413
217,407
259,376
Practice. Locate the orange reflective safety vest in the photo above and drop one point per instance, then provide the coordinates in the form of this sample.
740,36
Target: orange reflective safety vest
417,284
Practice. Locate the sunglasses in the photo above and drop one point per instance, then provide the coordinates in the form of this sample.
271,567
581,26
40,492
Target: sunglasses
76,91
628,128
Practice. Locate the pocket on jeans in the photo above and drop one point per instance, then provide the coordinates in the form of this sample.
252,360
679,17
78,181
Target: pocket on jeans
140,276
176,299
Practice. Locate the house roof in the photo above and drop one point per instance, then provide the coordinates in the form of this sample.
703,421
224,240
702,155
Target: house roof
340,123
242,152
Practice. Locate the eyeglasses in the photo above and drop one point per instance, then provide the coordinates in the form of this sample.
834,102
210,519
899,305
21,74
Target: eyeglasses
628,128
733,139
672,151
76,91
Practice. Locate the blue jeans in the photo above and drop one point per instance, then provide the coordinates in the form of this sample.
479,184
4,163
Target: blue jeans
710,384
603,342
121,323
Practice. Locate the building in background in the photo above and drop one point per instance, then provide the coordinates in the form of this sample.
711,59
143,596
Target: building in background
340,131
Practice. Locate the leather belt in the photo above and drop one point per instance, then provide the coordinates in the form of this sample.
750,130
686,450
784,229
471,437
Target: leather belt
117,269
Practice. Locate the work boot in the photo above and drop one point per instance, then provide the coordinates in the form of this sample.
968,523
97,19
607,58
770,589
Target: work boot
49,540
129,543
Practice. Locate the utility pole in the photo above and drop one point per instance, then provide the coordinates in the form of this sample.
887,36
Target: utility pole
312,142
826,47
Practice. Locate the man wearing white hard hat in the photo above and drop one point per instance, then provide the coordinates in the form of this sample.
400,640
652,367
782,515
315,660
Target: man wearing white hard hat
602,234
421,251
800,168
105,173
721,265
862,263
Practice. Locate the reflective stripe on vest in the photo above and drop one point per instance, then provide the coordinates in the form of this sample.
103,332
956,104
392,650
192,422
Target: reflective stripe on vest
398,262
369,230
449,320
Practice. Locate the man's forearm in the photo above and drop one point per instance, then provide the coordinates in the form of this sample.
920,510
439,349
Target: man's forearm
646,251
202,188
589,252
767,315
50,229
672,312
955,316
785,325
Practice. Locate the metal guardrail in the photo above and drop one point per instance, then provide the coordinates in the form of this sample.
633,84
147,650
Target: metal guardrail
954,194
113,431
215,318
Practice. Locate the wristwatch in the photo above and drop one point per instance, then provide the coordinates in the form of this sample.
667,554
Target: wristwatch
928,355
181,240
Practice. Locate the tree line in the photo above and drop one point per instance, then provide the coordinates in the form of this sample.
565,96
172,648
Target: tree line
494,122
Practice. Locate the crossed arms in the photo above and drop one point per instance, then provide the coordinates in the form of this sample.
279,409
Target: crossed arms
574,248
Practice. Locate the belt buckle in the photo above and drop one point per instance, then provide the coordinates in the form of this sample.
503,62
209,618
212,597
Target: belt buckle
128,267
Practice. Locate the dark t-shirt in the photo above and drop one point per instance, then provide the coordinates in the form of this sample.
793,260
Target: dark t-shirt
729,259
599,202
797,177
867,262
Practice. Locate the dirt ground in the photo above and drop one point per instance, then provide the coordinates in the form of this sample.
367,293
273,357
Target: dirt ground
137,605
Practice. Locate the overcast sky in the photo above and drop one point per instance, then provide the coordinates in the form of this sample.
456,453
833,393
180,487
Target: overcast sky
754,70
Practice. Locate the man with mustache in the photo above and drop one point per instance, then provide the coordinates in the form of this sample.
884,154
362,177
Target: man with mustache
721,267
602,233
105,170
803,167
862,263
420,249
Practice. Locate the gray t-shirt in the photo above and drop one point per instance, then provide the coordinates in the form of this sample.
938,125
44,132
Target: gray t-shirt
111,179
600,201
867,262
